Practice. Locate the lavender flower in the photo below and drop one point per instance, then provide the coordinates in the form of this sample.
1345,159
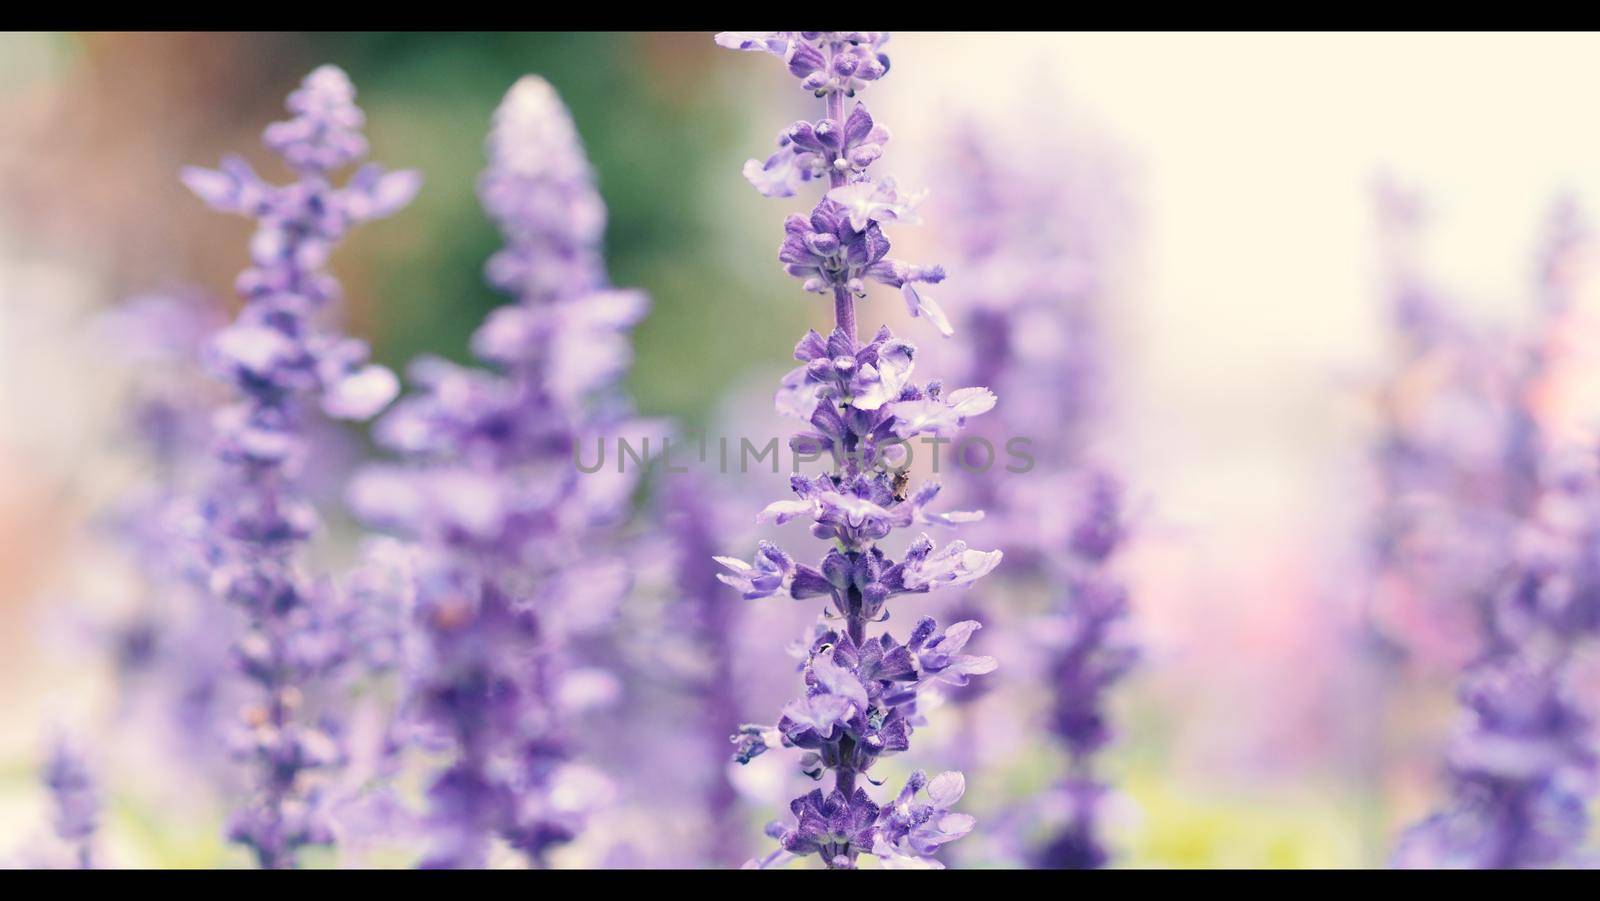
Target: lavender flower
910,831
861,693
1090,653
1035,290
165,645
510,537
1437,532
1522,767
75,801
277,357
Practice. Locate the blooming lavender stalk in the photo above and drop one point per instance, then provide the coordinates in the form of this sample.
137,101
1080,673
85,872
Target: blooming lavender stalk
1091,656
1035,289
861,693
510,535
1444,481
279,358
75,801
1523,765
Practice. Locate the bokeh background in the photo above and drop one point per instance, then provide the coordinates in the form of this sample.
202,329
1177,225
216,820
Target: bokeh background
1259,731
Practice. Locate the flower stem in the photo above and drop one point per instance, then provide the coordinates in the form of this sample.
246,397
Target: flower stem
844,776
844,305
844,312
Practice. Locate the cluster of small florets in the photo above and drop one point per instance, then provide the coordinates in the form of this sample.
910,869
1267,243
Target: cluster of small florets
1035,294
904,834
1522,765
861,408
1520,772
274,350
1090,654
840,246
826,62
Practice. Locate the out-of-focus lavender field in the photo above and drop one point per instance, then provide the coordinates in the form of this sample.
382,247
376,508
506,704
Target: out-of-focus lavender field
1300,334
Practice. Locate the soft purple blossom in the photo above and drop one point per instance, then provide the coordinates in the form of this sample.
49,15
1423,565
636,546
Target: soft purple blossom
707,621
279,359
951,566
510,535
938,654
1033,292
1450,435
943,416
165,646
1521,770
769,574
1089,653
1522,767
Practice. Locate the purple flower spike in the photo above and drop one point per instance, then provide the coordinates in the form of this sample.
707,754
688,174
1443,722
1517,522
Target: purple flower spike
513,540
282,365
1032,251
1090,653
1522,768
860,404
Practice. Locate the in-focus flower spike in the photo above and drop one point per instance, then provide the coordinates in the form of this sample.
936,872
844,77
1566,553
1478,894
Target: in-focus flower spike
840,247
279,359
514,558
861,406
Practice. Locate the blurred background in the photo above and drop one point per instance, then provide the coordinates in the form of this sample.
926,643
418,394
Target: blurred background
1248,331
